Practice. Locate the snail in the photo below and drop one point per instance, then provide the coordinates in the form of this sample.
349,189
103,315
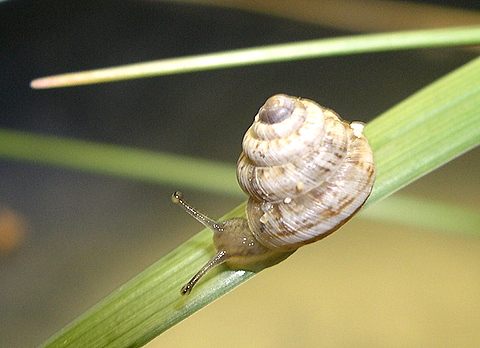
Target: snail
306,172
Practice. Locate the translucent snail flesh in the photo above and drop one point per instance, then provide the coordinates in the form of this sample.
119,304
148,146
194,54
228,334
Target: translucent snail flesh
306,172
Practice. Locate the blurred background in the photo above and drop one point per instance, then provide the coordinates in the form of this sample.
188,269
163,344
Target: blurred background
69,238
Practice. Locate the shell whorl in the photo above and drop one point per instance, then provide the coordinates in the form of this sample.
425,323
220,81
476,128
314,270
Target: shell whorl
306,171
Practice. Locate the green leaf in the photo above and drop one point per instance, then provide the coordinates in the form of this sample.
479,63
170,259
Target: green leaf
126,162
426,130
401,40
422,213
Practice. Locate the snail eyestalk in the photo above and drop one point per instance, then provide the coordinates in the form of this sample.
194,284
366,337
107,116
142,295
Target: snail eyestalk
235,245
177,198
217,259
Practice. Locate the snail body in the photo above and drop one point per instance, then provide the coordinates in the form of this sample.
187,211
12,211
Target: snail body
306,172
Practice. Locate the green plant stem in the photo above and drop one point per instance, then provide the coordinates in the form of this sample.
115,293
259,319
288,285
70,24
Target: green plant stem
401,40
125,162
422,213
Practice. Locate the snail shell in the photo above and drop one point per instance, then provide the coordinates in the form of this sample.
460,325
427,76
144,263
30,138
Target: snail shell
306,171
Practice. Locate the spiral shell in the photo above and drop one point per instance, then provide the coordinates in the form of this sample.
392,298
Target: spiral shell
306,171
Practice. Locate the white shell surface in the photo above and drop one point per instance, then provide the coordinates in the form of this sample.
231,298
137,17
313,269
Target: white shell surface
276,144
311,185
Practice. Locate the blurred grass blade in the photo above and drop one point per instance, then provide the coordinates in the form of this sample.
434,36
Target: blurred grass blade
422,213
401,40
136,164
426,130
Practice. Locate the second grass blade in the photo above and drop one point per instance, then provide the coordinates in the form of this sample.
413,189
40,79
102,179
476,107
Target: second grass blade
275,53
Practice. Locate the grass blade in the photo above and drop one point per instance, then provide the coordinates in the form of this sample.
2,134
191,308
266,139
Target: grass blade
422,213
276,53
136,164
